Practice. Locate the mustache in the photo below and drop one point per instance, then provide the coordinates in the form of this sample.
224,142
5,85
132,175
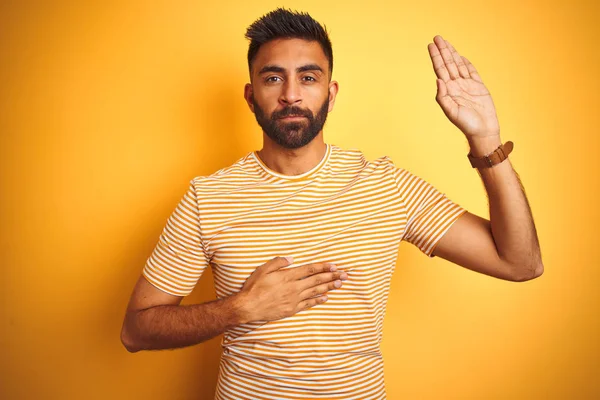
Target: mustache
292,111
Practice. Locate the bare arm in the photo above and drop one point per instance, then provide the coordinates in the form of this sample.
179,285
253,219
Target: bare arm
169,325
506,247
510,215
155,320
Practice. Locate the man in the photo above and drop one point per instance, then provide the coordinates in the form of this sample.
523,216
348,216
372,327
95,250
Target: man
291,328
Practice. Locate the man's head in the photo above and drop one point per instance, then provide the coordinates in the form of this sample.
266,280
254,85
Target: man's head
290,62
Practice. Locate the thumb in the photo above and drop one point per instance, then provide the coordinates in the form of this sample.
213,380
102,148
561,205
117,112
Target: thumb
441,89
277,263
442,98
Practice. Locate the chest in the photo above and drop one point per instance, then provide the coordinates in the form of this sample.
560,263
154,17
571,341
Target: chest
349,224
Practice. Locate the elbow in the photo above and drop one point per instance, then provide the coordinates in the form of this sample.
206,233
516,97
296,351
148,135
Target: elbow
129,345
527,274
128,341
539,270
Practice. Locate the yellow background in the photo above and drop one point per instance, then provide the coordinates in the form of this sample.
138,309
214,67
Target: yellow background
108,109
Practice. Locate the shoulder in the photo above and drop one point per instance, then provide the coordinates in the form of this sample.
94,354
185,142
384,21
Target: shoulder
243,171
383,166
353,157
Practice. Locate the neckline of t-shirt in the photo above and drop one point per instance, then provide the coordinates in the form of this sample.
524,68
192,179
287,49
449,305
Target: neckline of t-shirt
305,175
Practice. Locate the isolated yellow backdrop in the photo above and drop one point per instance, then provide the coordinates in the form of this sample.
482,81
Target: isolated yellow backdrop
108,109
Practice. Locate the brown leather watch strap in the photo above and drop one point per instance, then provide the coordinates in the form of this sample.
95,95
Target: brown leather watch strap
495,157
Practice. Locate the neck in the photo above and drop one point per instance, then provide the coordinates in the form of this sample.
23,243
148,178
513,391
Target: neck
292,161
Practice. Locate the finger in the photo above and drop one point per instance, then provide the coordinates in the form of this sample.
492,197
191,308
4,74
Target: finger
310,269
320,289
460,64
447,57
472,71
322,278
276,263
439,67
306,304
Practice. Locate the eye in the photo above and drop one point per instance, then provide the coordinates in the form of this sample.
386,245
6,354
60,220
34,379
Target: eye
312,79
270,79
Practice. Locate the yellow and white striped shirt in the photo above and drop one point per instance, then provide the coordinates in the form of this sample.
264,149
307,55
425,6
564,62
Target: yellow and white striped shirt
346,210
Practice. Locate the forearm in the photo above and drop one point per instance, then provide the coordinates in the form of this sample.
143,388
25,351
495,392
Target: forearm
171,326
511,220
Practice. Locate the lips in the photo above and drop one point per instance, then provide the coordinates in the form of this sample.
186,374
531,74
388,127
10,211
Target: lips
292,116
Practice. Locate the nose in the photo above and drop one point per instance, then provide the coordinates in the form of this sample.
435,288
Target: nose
291,92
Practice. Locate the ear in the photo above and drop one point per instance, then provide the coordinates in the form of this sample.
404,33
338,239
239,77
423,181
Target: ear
249,95
333,91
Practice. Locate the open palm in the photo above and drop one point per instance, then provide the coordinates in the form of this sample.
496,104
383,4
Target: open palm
461,93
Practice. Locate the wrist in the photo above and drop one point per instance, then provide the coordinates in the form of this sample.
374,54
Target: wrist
242,308
484,145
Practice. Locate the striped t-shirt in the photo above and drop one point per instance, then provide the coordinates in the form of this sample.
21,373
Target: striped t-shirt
346,210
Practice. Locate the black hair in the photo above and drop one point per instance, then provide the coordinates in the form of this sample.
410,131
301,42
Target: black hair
282,23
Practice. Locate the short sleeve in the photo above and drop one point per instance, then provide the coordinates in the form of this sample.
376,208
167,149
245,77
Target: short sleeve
179,258
429,213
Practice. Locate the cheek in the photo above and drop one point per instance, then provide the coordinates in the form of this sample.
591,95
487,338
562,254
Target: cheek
266,98
263,106
318,93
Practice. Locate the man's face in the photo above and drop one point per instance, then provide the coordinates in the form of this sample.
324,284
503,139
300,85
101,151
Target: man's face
290,93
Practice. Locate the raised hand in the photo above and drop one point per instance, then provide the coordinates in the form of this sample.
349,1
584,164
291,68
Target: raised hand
461,93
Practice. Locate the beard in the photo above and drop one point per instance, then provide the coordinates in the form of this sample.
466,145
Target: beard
292,134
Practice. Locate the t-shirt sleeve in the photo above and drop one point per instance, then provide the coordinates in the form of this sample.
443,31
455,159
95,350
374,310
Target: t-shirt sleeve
429,213
179,258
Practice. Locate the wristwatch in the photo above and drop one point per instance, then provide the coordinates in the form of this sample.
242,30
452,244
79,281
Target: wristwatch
495,157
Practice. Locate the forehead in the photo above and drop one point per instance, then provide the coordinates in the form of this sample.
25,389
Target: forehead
290,53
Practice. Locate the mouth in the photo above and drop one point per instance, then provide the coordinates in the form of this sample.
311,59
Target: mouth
293,117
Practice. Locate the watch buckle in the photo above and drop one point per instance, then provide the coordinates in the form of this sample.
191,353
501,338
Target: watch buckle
489,160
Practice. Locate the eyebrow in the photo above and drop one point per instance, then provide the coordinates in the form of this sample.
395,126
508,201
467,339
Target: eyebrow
277,68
